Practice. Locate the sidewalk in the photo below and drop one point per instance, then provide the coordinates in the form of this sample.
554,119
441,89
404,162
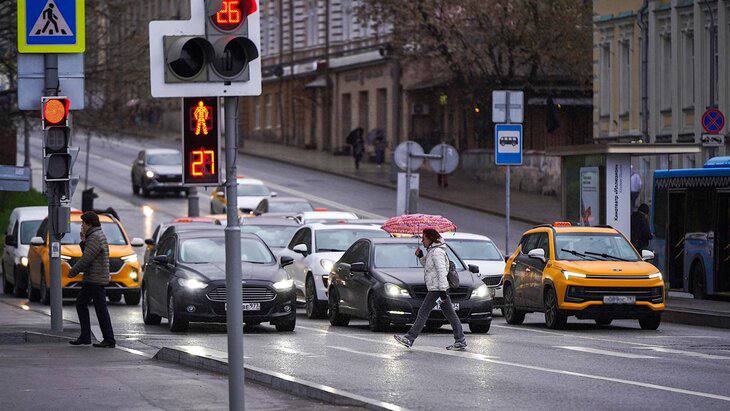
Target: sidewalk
698,312
55,375
462,191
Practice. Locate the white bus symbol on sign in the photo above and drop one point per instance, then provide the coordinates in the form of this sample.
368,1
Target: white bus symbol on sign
509,142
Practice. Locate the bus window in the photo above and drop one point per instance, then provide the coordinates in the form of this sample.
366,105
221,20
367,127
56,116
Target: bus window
675,239
660,213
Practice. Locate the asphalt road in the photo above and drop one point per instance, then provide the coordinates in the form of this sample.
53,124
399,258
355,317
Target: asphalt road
521,367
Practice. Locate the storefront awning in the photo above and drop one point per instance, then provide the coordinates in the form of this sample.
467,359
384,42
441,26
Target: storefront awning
635,149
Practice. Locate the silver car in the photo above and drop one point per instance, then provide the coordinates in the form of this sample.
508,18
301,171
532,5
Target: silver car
157,170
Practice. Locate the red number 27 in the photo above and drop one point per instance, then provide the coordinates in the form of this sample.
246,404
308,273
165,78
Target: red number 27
201,160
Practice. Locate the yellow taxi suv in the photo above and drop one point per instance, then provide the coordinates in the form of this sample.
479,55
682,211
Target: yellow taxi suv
126,275
586,272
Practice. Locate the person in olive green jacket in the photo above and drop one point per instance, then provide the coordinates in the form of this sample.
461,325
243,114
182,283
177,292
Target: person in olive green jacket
94,263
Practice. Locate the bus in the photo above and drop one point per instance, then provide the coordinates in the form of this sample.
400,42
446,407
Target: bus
690,220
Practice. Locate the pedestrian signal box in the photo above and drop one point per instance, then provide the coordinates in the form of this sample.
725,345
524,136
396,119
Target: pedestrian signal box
201,141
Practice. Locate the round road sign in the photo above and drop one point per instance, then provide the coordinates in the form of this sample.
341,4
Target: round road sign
713,121
402,153
449,159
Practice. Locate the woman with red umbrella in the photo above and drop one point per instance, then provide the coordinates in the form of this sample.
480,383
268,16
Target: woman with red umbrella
436,268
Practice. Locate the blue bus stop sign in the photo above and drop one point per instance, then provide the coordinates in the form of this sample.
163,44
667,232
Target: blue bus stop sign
508,144
713,121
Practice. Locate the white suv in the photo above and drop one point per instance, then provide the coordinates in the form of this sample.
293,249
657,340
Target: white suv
250,193
22,226
315,248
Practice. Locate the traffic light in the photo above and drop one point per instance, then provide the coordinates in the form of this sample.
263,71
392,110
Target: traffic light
201,141
57,161
54,112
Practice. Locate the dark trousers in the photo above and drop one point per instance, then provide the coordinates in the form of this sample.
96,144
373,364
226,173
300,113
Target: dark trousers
443,180
429,302
97,294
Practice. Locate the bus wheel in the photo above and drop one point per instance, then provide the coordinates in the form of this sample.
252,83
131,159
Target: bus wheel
698,285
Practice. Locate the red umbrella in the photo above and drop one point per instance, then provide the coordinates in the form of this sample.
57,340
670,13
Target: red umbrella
415,224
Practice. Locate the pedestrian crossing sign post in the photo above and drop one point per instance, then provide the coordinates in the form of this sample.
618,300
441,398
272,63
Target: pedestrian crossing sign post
51,26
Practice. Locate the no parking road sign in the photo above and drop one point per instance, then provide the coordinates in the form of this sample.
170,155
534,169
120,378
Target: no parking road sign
51,26
713,121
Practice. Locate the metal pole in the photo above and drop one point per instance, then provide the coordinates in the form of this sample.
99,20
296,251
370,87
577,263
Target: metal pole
54,202
234,298
507,211
26,142
408,182
86,167
193,202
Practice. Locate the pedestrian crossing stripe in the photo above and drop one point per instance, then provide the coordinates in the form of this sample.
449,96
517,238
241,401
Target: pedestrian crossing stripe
51,22
51,26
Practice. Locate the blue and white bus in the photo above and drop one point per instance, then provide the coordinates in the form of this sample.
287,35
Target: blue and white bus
691,224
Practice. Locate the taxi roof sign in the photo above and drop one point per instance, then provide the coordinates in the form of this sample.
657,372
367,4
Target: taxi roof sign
51,26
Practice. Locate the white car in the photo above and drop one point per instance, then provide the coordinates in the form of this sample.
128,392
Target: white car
311,216
250,194
315,248
22,227
480,251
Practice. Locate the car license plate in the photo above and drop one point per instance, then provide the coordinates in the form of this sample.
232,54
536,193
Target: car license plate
249,306
619,299
455,305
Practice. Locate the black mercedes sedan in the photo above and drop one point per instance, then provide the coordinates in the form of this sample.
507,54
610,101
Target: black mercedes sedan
185,281
382,281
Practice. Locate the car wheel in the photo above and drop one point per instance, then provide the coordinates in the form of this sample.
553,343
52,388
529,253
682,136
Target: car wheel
33,294
147,316
132,297
511,314
651,322
698,285
376,322
114,298
176,321
554,318
45,292
7,287
336,318
315,309
19,286
604,322
480,327
288,325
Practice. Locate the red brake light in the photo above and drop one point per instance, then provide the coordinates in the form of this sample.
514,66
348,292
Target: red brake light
320,209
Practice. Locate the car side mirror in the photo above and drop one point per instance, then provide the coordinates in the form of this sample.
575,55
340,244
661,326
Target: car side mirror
647,255
137,242
358,267
473,269
285,261
301,249
161,259
11,241
538,254
37,241
150,241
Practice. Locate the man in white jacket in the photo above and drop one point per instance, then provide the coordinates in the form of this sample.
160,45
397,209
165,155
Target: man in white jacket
436,268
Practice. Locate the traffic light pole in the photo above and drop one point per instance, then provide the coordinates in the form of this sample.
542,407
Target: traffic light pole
234,298
54,204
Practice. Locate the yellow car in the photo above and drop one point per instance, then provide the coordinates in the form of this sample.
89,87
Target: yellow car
587,272
126,275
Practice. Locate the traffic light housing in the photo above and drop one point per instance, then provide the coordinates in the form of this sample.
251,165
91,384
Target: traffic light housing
57,160
54,112
201,141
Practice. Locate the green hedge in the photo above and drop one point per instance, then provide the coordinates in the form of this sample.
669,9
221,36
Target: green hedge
10,200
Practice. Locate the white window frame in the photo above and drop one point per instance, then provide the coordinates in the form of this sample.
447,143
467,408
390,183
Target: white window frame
346,12
312,23
268,113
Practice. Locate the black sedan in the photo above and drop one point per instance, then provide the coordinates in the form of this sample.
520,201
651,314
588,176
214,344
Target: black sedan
185,281
382,280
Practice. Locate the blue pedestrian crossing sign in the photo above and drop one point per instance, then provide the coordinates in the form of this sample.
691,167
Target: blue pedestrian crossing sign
508,144
51,26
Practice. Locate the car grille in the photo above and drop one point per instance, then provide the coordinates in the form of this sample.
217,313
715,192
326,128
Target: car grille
250,294
461,293
169,178
492,280
580,294
115,264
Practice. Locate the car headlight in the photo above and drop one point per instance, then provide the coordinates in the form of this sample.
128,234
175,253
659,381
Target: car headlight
393,290
284,284
65,257
24,261
569,274
482,292
191,283
656,275
132,258
327,265
149,173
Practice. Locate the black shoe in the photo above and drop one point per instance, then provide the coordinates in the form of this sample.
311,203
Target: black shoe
106,344
79,341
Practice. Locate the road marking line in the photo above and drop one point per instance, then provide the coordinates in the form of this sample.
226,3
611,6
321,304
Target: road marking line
518,328
370,354
686,353
292,351
558,371
603,352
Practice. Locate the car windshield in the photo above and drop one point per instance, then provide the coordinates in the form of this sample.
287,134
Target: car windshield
290,207
245,190
476,250
591,246
113,233
28,229
164,159
404,256
213,250
337,240
276,236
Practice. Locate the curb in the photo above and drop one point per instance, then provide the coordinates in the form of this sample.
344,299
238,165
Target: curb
391,186
276,380
699,318
31,337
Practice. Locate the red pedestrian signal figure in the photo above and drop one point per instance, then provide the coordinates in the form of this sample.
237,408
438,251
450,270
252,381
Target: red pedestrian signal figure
201,116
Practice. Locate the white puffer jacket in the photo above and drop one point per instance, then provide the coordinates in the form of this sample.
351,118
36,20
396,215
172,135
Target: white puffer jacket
436,267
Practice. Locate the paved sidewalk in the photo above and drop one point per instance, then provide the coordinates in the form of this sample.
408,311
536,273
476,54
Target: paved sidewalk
698,312
462,191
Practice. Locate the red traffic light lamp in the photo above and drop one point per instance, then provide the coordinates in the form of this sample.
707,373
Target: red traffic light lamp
54,112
